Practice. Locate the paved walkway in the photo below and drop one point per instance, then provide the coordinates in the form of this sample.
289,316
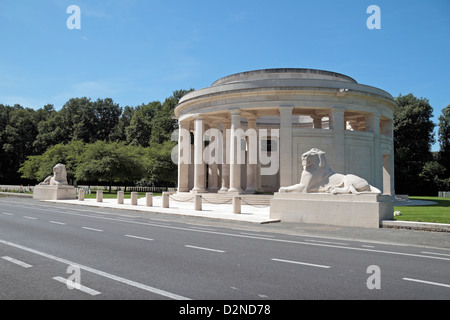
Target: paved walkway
249,213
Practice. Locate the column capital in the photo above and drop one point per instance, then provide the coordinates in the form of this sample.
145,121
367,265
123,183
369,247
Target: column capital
286,108
235,112
339,109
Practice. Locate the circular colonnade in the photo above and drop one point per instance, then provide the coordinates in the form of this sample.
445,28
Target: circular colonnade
280,114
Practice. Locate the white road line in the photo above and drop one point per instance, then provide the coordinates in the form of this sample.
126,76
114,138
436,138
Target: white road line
93,229
18,262
137,237
302,263
201,228
202,248
327,242
367,246
31,218
98,272
428,282
57,222
7,213
80,287
257,235
440,254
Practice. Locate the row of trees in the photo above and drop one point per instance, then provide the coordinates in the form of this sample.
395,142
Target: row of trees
106,162
80,133
418,171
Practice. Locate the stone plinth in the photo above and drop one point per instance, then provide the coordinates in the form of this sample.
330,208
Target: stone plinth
56,192
364,210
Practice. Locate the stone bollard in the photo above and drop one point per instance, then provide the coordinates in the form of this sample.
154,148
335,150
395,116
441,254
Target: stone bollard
149,199
81,195
120,196
99,196
236,204
134,198
165,199
198,202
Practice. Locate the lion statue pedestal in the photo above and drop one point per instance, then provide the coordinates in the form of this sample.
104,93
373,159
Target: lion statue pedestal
325,197
55,187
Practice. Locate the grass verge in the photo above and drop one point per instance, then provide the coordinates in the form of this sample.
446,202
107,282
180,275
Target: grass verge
437,213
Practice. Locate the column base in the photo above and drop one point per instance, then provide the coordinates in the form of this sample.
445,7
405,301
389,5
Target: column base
234,191
198,191
250,190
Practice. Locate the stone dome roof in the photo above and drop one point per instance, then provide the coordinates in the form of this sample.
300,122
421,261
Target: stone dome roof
282,73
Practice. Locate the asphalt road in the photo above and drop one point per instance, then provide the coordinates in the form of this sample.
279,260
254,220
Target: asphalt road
117,254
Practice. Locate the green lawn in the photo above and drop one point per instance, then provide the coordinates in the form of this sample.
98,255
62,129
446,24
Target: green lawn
438,213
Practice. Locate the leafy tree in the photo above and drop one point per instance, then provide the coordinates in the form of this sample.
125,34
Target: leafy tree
51,130
18,131
444,137
139,131
159,167
39,167
163,123
79,119
107,118
413,137
118,133
109,162
435,175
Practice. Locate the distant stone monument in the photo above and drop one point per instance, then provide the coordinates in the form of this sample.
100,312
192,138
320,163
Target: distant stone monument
55,187
325,197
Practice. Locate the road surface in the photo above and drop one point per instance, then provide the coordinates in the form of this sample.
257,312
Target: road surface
54,251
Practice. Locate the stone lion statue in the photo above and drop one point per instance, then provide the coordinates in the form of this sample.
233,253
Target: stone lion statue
59,176
317,176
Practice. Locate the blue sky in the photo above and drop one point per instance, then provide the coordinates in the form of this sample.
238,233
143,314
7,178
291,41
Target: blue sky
137,51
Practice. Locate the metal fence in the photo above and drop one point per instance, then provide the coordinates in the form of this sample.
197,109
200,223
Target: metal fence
444,194
129,188
88,189
16,188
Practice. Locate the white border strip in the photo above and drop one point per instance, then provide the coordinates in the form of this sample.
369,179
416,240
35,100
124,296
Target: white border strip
302,263
80,287
428,282
206,249
18,262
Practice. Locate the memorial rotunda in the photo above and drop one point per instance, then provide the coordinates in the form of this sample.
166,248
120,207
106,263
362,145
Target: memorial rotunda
282,113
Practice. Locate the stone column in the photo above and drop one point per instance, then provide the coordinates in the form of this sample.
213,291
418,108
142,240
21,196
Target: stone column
199,164
226,157
373,125
337,123
252,148
235,147
286,146
213,167
213,177
184,156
